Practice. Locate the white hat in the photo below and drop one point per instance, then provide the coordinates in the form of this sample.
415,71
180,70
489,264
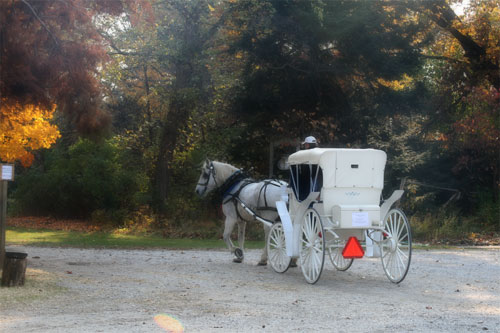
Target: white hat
309,139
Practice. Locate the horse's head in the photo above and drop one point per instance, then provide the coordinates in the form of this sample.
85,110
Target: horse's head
206,182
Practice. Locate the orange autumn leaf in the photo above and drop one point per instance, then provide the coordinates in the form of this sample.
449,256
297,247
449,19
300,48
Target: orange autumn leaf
24,129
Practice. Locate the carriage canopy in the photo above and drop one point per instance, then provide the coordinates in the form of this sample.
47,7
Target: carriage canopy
343,168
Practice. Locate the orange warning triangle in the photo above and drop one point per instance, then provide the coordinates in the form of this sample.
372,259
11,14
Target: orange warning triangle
353,249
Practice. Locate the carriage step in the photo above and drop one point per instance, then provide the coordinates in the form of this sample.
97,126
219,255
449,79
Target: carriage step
329,224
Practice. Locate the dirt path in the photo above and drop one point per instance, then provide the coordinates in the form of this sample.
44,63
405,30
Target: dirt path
91,290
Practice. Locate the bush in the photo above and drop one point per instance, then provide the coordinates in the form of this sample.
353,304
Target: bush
86,178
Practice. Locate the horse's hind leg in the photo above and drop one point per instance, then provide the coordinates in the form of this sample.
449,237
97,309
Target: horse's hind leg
263,257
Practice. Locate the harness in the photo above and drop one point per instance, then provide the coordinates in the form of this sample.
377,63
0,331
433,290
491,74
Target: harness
236,178
232,187
235,199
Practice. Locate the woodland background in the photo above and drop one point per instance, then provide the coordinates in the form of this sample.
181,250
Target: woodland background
109,106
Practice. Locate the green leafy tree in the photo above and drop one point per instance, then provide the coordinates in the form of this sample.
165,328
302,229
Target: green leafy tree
316,68
160,68
464,66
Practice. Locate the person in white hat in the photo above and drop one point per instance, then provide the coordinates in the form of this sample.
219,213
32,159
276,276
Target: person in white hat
310,142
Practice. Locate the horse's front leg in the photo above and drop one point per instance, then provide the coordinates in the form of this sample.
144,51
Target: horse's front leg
228,230
263,257
241,241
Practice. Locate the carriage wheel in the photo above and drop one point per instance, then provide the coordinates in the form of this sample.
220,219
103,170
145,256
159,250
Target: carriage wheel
276,249
312,246
336,257
396,246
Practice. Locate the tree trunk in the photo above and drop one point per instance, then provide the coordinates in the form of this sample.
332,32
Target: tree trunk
14,269
161,174
177,117
184,97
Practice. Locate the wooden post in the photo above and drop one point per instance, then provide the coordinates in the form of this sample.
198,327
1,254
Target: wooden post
271,159
3,222
14,269
6,174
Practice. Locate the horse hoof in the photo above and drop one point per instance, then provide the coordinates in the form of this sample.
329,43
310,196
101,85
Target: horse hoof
293,263
238,260
262,263
238,253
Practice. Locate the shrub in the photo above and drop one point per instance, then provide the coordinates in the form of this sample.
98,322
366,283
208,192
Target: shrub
88,177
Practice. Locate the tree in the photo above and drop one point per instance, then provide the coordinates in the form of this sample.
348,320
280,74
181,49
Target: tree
316,68
465,59
23,130
461,76
161,67
55,62
57,59
476,35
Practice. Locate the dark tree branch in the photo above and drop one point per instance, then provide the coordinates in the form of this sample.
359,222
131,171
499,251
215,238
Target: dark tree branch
442,58
444,16
41,21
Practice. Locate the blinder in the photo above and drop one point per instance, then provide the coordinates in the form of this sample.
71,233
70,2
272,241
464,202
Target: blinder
206,175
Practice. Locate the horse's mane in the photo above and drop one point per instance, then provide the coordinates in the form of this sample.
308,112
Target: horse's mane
224,170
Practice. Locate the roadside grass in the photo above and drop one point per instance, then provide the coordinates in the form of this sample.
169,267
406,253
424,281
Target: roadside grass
78,239
39,285
60,238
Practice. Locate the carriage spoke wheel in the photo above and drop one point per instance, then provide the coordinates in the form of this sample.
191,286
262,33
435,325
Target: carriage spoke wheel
396,246
312,246
336,257
276,249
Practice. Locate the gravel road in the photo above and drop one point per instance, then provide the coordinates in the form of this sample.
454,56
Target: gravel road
95,290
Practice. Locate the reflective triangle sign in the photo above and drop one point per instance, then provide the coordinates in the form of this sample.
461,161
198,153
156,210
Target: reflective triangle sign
353,249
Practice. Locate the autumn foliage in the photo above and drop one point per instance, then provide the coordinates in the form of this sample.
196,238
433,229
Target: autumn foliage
228,79
51,54
24,129
475,137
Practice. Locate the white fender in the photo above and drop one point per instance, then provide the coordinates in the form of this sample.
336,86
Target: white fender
299,218
372,248
384,209
287,226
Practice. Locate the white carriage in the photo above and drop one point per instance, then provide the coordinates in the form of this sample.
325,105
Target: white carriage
333,207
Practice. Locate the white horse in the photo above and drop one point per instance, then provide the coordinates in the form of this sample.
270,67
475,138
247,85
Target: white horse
243,200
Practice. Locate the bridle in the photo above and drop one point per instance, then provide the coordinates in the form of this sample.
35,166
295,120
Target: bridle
206,175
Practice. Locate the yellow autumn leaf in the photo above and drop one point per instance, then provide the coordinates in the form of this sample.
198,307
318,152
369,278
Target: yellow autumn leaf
24,129
397,85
